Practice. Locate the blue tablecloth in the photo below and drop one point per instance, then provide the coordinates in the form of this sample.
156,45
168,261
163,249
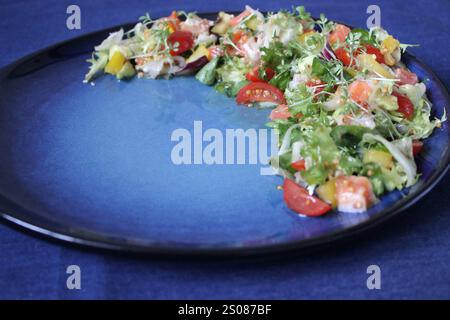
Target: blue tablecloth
413,250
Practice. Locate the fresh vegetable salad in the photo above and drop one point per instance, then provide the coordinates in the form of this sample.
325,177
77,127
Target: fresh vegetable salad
351,117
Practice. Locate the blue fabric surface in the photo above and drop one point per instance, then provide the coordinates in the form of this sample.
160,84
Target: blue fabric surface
412,250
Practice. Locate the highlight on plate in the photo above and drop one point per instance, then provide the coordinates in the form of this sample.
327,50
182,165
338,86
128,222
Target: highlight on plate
350,116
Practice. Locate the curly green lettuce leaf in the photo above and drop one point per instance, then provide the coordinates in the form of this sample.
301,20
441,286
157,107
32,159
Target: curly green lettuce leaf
384,179
229,88
394,178
319,149
328,71
401,150
282,77
233,70
349,164
348,135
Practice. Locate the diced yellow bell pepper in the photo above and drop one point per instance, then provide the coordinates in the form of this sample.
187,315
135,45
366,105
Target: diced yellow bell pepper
368,62
384,159
303,36
327,192
390,44
115,63
198,53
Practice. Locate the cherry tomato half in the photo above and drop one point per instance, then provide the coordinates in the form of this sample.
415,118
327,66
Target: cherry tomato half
181,41
299,200
260,92
405,106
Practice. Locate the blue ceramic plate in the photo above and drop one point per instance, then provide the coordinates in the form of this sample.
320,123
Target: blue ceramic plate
92,164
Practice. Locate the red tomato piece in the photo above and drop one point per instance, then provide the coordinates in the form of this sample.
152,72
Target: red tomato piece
181,41
269,73
405,106
299,200
353,194
260,92
405,77
344,56
375,51
417,147
280,112
298,165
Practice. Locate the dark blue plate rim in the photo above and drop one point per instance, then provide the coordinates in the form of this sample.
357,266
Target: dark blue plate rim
82,237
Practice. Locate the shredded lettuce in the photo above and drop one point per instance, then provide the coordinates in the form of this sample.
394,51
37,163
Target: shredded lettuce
233,70
422,126
322,153
231,89
348,136
338,110
401,150
113,39
415,92
98,63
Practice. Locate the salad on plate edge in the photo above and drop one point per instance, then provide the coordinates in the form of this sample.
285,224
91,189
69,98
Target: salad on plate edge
350,115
